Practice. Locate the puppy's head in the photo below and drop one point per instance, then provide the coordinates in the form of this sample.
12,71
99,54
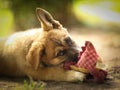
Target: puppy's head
58,46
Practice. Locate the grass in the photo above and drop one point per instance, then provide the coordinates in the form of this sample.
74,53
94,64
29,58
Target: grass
27,85
33,85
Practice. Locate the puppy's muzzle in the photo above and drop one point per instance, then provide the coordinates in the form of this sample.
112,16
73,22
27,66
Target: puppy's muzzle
73,55
74,58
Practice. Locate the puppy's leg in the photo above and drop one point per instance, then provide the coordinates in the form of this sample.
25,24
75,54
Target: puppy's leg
56,74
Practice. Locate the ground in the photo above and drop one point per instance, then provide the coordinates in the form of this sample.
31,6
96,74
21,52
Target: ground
107,44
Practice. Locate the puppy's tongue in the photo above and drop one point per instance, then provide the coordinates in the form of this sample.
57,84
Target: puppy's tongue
67,65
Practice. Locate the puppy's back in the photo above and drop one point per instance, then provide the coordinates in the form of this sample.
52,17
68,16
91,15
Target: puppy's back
13,50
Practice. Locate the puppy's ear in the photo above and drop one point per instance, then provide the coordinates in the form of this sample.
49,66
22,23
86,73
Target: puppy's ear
34,55
46,19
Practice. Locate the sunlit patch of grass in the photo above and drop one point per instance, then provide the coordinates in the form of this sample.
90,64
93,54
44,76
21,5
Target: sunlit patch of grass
6,21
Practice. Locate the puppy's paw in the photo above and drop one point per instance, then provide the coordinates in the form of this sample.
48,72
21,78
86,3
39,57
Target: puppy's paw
74,76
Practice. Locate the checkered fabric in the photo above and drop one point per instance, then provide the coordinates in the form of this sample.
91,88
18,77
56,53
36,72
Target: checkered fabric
88,59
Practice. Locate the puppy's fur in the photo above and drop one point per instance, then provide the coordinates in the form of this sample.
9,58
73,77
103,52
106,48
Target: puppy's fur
39,53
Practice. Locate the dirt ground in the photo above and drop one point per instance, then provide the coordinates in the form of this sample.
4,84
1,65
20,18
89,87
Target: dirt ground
107,45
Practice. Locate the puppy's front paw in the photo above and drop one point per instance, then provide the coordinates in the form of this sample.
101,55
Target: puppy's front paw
75,76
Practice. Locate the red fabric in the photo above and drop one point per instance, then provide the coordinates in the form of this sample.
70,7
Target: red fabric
88,59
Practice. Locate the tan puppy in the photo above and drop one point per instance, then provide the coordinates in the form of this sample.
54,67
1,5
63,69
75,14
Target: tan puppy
39,53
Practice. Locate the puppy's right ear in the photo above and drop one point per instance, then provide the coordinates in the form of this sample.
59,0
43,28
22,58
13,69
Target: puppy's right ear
46,19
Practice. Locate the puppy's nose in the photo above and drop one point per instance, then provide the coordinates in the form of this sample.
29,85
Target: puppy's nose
75,57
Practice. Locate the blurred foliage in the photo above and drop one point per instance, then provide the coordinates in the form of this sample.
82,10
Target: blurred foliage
103,13
6,18
20,14
24,11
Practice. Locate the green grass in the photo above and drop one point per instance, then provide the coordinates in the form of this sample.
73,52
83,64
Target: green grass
33,85
6,21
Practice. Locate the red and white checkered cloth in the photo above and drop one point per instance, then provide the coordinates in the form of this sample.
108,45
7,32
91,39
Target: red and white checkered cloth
88,62
88,59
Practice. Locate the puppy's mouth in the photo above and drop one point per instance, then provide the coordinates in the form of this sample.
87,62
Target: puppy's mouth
63,63
70,61
67,64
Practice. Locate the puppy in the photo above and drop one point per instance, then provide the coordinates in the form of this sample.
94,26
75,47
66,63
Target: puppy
40,53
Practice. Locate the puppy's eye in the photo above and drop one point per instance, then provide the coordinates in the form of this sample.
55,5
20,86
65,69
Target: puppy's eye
61,53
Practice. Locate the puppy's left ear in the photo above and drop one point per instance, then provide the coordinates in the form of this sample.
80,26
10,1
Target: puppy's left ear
46,19
34,55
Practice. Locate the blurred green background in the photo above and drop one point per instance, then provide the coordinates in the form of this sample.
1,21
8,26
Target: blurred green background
16,15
